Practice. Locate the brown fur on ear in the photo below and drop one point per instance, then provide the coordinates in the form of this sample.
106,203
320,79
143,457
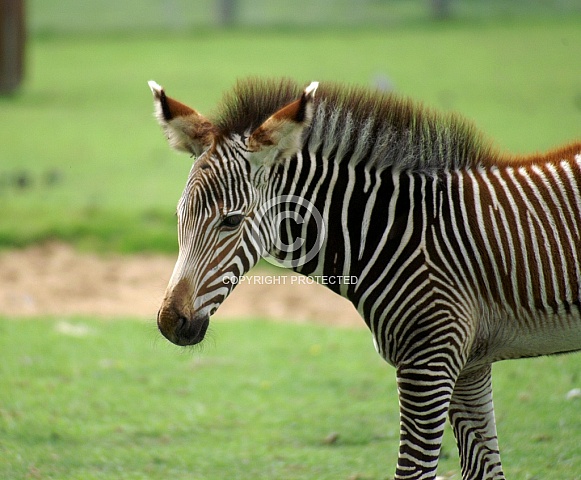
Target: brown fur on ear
264,135
186,129
283,130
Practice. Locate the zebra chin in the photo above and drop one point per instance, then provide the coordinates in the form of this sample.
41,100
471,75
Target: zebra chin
180,329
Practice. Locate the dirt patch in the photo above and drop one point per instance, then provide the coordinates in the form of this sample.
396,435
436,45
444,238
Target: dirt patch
56,280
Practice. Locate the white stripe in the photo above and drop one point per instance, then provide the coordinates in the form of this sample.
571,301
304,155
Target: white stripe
513,206
476,202
390,220
345,226
368,211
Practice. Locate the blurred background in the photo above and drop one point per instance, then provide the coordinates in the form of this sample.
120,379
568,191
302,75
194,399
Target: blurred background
82,159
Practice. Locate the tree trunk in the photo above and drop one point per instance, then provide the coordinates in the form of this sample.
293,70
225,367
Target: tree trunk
12,38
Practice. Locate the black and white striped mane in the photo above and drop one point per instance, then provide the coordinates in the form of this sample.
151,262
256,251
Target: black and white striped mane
358,124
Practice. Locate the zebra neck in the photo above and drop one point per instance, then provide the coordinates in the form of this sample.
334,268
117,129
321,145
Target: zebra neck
347,216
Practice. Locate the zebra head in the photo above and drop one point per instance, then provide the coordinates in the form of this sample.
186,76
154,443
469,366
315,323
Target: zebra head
223,227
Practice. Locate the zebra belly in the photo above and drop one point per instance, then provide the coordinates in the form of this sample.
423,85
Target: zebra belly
527,335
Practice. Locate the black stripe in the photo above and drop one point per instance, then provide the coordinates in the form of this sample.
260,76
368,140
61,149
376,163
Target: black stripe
165,107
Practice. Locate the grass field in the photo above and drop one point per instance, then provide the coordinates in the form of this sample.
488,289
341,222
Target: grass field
84,399
83,160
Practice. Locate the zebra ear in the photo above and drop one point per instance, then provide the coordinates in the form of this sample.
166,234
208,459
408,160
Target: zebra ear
185,129
281,134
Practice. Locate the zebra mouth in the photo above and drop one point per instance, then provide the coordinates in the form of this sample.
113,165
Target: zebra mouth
192,331
183,330
184,326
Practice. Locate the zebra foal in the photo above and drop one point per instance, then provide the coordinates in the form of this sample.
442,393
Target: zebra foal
462,256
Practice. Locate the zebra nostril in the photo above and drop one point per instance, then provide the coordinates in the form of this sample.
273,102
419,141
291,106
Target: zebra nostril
181,324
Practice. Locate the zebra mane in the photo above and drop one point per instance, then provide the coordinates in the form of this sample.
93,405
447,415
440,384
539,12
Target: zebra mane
357,124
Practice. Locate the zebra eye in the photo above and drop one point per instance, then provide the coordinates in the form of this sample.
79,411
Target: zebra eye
232,220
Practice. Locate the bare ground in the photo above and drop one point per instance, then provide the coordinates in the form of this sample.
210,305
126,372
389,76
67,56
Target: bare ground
56,280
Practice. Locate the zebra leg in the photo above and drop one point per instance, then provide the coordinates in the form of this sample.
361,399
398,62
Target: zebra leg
472,417
424,398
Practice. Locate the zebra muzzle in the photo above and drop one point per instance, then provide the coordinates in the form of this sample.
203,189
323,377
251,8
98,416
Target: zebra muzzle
181,330
177,320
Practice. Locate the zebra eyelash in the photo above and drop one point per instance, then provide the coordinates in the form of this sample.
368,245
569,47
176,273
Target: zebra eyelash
232,220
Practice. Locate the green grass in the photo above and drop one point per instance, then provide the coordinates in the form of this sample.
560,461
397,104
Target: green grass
82,158
86,399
